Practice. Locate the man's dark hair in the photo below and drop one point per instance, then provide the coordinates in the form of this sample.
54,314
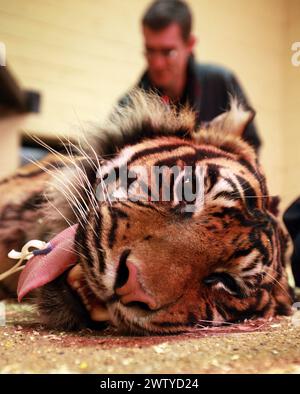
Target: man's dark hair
161,13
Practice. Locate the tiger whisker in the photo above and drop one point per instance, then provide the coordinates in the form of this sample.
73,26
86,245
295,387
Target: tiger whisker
70,223
278,284
73,199
57,154
83,153
70,197
61,157
70,205
83,134
78,179
75,212
99,165
50,164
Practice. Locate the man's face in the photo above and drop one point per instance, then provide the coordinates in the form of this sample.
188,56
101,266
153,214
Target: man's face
167,54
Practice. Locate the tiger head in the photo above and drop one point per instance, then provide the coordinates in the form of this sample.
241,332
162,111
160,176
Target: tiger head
206,249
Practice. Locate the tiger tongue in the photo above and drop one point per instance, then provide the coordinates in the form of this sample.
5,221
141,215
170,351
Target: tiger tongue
44,268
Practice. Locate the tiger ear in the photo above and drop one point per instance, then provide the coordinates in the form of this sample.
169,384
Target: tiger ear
233,121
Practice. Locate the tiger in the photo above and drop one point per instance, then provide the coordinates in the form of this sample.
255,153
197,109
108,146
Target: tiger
155,265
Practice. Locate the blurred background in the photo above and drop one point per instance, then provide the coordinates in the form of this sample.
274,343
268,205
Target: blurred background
76,58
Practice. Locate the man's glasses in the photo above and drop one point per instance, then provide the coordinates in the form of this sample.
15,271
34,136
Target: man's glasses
150,53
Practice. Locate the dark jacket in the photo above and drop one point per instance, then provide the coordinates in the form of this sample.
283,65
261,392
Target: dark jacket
207,92
291,219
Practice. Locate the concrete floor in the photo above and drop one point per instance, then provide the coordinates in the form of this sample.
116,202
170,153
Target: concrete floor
260,347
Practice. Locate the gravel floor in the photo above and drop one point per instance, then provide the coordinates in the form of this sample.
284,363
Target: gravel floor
256,347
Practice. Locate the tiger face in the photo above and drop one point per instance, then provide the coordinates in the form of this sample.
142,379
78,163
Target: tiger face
165,265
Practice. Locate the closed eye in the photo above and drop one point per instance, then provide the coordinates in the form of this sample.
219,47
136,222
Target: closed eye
227,195
223,280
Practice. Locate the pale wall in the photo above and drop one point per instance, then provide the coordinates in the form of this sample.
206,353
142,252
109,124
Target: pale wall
291,116
82,55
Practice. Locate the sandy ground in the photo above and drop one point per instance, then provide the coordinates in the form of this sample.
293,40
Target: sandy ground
260,347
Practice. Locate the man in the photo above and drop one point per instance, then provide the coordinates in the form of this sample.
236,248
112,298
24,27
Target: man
291,219
173,73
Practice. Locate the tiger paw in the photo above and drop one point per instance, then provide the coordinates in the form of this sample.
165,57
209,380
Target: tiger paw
96,309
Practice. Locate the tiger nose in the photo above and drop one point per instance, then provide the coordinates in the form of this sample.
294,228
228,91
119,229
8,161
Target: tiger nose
132,290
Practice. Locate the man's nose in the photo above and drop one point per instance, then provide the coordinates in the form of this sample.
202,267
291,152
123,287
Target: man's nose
132,290
158,62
